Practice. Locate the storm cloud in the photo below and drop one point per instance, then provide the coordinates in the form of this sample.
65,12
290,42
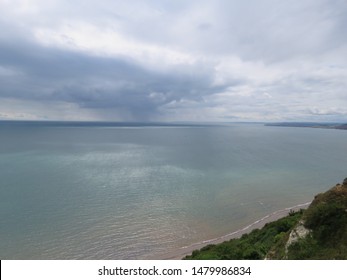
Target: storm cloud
173,60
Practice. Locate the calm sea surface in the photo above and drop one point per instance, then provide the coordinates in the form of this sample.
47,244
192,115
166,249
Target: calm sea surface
133,192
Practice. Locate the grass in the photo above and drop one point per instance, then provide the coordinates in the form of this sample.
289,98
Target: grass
326,218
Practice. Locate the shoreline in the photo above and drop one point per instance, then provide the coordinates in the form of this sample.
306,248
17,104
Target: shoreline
180,253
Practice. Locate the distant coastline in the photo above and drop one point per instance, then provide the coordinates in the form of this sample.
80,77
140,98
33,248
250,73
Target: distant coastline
310,124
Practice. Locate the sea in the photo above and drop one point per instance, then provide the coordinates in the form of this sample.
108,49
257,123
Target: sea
71,190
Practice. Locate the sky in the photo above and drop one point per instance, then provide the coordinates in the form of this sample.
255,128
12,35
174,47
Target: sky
178,60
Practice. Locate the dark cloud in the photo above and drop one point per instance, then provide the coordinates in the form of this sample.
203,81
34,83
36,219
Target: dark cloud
174,60
51,74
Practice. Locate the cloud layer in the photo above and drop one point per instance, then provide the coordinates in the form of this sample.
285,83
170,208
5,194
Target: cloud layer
173,60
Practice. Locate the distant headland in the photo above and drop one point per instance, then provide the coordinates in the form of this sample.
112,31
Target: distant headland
310,124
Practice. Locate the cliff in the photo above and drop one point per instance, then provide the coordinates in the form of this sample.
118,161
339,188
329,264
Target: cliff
320,232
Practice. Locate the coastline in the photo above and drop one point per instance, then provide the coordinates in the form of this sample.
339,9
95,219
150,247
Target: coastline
342,126
187,250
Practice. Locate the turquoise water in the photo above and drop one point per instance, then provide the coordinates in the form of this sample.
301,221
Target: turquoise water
134,192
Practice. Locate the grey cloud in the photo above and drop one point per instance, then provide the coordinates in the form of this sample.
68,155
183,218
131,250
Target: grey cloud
50,74
327,111
299,46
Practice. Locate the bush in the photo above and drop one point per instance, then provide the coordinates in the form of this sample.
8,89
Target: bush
327,220
252,246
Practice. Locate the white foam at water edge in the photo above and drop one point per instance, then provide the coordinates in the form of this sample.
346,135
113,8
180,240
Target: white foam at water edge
215,240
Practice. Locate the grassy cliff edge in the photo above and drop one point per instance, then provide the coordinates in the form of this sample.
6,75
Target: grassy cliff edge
320,232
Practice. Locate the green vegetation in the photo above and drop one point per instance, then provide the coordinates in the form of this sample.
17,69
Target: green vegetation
252,246
327,219
324,224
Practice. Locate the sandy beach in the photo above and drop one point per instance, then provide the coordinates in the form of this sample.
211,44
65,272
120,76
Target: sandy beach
187,250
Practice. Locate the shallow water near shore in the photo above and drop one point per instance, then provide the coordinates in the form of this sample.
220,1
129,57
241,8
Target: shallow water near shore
136,192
